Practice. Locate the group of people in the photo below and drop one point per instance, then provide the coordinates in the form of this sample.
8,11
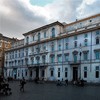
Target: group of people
79,82
4,86
61,83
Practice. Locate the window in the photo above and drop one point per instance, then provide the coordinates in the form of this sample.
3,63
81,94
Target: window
97,54
38,36
85,35
53,32
44,59
75,37
85,56
42,73
30,73
33,38
66,72
66,57
38,59
25,72
75,58
32,60
59,47
52,48
75,44
97,72
44,47
51,72
97,40
85,42
27,40
85,72
58,72
44,34
59,58
52,58
66,46
97,32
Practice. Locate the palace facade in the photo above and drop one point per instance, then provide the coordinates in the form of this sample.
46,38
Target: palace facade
5,43
57,51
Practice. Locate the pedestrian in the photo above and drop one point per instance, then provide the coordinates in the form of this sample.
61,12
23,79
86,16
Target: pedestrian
22,83
66,81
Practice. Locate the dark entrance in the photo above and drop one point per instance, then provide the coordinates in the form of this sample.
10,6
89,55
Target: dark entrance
37,72
75,73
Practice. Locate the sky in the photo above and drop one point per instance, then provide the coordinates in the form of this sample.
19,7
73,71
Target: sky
20,16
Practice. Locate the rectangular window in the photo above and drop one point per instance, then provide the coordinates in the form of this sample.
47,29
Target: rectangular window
66,72
52,48
66,46
58,72
97,32
44,34
59,58
52,59
85,72
85,56
75,44
59,47
97,54
33,38
42,73
66,58
75,58
97,72
51,72
26,73
85,42
97,40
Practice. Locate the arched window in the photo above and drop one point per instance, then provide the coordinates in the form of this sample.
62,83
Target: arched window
53,32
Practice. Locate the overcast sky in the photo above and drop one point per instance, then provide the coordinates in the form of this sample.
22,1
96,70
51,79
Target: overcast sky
20,16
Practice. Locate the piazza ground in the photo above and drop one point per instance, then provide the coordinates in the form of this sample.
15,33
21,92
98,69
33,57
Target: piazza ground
49,91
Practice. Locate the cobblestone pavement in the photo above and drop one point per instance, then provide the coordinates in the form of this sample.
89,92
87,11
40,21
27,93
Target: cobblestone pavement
52,92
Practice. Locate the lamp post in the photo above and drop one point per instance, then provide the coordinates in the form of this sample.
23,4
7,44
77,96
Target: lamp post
80,58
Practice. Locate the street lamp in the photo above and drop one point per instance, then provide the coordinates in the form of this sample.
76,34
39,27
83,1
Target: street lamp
80,58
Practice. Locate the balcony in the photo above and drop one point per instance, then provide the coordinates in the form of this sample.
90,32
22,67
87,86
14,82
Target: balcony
74,62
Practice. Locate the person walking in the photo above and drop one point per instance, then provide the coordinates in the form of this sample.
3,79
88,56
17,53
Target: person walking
22,83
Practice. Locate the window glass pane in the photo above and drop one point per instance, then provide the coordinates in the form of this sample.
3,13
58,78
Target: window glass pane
97,68
85,68
65,74
58,74
51,72
97,74
85,74
97,32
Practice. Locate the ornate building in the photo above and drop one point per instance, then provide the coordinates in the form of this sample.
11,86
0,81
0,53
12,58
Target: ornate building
5,43
57,51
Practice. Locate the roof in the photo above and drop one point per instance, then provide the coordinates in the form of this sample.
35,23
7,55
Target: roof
43,27
83,19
